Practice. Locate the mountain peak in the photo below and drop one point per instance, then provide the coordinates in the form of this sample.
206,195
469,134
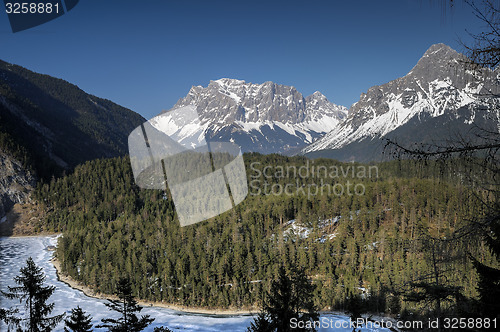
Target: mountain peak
229,81
316,97
266,117
439,49
439,62
439,86
438,54
318,94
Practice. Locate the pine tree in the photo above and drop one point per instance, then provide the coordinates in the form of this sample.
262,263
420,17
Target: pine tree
356,308
489,277
279,301
432,290
162,329
128,308
291,297
9,318
35,296
78,321
393,304
260,323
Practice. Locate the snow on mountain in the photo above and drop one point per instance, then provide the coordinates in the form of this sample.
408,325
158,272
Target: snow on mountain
266,118
439,84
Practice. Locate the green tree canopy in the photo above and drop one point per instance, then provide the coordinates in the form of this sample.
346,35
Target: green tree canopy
35,295
128,309
78,321
289,300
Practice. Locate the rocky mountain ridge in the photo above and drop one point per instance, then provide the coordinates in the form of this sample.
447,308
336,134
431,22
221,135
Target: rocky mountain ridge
438,87
266,118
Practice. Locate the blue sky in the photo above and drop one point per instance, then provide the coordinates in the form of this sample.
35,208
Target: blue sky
145,55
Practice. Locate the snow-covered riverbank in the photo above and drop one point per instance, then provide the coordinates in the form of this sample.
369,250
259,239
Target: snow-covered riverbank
15,251
91,293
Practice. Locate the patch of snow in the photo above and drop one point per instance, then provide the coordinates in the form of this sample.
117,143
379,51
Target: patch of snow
286,127
249,126
182,125
295,229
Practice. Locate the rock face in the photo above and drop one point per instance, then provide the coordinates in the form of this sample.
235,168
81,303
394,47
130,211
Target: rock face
440,91
266,118
15,183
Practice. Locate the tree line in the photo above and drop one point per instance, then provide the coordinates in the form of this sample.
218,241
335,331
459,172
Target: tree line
378,246
289,300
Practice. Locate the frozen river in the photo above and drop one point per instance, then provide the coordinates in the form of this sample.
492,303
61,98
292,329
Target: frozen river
15,251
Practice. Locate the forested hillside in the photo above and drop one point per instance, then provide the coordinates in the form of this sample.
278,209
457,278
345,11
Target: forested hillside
377,245
50,125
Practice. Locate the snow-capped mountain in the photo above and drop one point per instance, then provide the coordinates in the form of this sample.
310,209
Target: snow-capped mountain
438,97
265,118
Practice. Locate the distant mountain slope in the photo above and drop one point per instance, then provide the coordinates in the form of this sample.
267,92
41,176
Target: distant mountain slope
438,99
265,118
48,125
56,124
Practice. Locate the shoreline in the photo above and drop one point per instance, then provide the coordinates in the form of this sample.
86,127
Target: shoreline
21,236
89,292
144,303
